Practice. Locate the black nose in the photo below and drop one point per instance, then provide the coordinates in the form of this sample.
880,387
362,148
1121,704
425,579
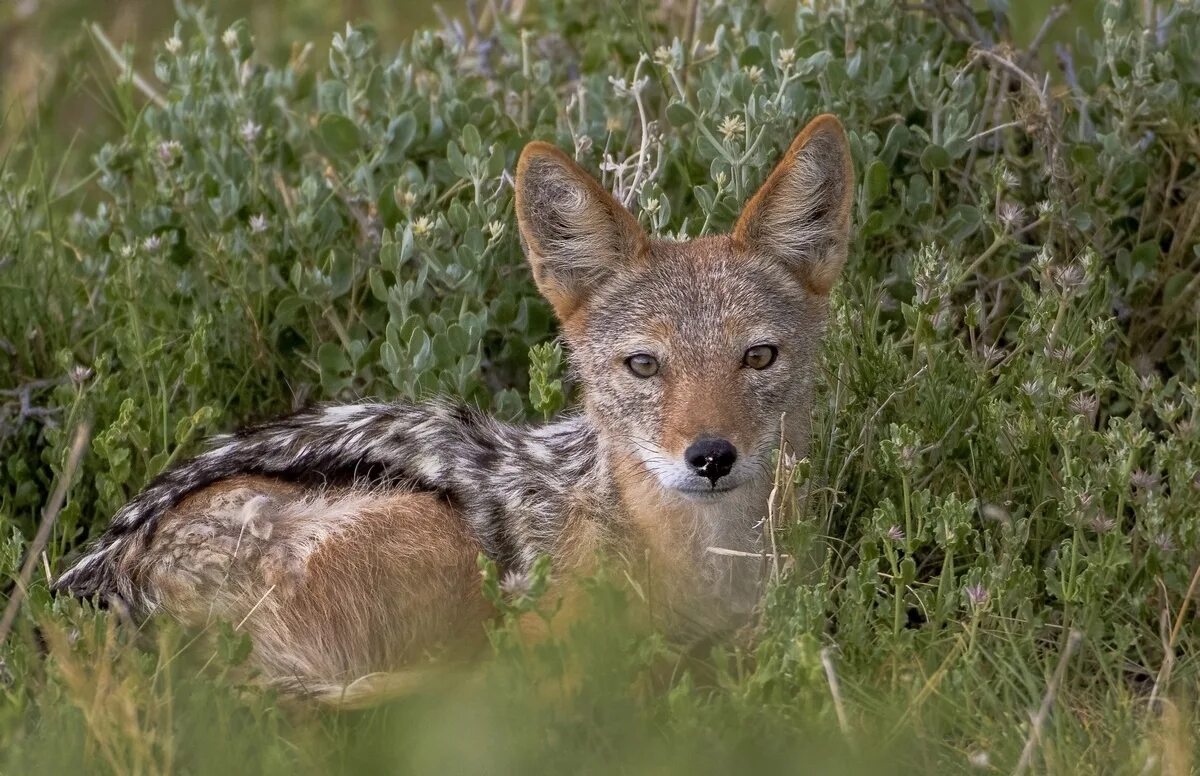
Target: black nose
711,458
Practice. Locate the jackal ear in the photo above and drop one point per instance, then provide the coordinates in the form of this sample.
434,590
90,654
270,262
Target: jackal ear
575,234
801,213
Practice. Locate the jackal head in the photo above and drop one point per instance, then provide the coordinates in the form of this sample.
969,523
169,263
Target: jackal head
691,353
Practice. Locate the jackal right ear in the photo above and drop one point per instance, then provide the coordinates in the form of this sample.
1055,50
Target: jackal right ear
801,213
575,234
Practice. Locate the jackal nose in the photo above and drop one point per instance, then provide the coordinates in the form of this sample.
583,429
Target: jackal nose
711,458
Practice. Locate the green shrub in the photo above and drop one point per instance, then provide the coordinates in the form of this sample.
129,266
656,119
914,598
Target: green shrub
1006,449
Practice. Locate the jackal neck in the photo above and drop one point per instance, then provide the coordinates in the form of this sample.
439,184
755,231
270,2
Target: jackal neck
704,557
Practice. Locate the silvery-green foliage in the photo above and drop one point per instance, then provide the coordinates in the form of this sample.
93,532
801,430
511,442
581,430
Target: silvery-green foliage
1006,443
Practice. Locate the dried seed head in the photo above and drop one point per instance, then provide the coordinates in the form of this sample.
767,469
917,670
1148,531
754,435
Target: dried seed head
1101,523
1144,480
992,354
1070,278
1085,404
1162,541
1143,365
1010,214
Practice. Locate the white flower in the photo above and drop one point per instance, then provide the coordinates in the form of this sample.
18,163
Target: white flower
421,226
979,759
152,243
515,584
651,205
663,56
731,127
258,223
495,229
230,38
250,131
977,594
80,374
169,151
173,44
755,73
787,57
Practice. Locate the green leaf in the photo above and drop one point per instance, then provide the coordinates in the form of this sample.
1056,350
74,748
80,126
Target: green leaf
338,134
934,157
875,181
680,114
399,137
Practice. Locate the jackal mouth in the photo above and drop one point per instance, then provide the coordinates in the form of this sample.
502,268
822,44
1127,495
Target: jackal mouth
707,494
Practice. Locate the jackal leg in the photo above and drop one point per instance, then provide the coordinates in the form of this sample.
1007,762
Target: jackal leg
331,586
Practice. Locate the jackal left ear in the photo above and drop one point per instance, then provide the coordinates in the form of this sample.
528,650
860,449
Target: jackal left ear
801,213
575,234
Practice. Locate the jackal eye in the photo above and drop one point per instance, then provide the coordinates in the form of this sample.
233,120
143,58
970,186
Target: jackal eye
642,364
760,356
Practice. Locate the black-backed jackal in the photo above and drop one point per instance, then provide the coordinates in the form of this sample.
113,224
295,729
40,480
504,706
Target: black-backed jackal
345,538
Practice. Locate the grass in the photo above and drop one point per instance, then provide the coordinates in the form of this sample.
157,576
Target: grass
1000,498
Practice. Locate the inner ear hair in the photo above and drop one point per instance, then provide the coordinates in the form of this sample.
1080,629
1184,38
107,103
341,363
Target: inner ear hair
575,234
801,213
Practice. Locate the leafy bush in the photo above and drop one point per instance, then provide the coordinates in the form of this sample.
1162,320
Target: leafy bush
1006,451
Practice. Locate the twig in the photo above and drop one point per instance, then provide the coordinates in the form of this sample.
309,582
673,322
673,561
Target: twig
990,130
127,71
835,690
83,433
737,553
690,23
1039,719
1052,16
1067,63
1164,671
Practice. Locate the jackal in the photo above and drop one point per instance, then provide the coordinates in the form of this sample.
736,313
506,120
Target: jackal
345,539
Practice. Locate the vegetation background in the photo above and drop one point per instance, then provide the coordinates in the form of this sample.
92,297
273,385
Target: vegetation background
206,219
